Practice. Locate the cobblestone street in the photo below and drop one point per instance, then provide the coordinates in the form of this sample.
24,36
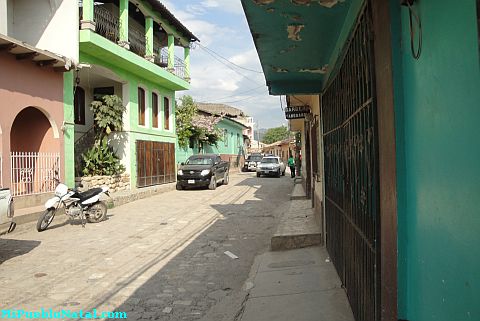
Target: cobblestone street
160,258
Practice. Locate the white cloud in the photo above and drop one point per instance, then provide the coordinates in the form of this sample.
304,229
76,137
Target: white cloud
212,80
210,3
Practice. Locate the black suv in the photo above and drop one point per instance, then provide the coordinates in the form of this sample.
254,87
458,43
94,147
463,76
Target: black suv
203,170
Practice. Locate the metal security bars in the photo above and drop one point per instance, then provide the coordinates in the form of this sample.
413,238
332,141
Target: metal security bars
33,173
351,172
107,24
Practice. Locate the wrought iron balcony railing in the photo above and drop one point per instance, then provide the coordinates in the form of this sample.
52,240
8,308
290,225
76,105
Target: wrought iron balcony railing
136,37
108,26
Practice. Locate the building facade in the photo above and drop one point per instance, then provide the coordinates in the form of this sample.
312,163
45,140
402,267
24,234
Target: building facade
389,148
231,147
127,49
39,52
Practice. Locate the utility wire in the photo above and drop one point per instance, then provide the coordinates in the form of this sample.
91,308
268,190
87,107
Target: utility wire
229,67
206,100
236,101
230,62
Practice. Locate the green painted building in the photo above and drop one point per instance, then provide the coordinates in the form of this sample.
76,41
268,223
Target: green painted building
395,98
232,125
129,49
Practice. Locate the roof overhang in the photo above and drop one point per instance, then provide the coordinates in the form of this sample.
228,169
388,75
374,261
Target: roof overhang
164,12
41,58
297,40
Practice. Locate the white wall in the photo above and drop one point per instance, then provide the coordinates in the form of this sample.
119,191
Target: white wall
46,24
3,17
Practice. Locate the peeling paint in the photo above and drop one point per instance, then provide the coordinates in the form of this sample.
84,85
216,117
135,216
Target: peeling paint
290,48
276,69
293,16
323,3
302,2
322,70
263,2
329,3
293,31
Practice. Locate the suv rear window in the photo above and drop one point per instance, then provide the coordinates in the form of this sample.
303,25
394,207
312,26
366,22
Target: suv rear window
254,158
270,160
199,161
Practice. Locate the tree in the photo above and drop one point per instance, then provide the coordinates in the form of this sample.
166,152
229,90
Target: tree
275,134
184,114
191,125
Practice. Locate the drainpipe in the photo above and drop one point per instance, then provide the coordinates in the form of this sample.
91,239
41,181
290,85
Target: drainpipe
149,39
88,21
171,53
123,32
186,55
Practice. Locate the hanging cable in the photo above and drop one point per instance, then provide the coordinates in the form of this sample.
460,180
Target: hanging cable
229,67
206,100
236,101
230,62
416,52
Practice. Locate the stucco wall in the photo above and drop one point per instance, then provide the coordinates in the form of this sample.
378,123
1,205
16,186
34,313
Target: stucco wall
228,149
437,105
3,17
47,24
42,88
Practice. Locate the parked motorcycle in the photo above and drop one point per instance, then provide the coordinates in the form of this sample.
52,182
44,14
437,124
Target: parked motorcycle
84,205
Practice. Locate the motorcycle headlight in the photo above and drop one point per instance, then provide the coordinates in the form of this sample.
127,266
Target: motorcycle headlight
205,172
180,172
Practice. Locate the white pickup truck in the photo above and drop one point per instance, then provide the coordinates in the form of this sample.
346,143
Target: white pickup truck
6,211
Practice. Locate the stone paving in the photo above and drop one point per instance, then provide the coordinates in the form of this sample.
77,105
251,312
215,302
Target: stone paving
160,258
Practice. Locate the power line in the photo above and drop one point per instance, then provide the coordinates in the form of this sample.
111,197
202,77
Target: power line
227,60
231,96
236,101
229,67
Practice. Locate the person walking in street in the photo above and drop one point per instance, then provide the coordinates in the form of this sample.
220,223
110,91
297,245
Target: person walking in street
291,164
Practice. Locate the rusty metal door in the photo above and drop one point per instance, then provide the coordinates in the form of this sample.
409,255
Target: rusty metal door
351,172
155,163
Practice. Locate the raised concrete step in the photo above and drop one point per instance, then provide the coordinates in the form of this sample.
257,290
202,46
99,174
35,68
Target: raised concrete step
298,192
297,228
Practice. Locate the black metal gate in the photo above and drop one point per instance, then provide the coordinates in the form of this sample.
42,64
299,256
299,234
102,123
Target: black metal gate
351,172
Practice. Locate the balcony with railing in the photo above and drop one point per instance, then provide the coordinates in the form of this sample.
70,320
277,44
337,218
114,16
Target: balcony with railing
108,25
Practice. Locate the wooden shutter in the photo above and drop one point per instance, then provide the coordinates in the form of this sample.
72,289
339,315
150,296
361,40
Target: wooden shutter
141,106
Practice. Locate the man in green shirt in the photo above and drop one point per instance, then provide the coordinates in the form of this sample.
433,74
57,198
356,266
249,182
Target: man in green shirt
291,164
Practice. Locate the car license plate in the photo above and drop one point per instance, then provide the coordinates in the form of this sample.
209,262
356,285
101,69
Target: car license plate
191,181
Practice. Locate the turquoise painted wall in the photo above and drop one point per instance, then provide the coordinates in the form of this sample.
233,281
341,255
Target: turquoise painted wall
437,106
230,146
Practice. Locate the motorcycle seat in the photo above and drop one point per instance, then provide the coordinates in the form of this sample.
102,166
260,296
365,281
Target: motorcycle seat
87,194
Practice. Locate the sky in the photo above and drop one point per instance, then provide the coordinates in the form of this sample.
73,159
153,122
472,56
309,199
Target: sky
222,28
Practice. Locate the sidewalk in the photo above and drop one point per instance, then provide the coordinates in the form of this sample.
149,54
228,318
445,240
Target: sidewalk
31,214
295,281
300,285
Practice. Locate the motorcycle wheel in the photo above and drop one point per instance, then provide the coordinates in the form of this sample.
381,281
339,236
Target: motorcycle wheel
45,219
97,212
